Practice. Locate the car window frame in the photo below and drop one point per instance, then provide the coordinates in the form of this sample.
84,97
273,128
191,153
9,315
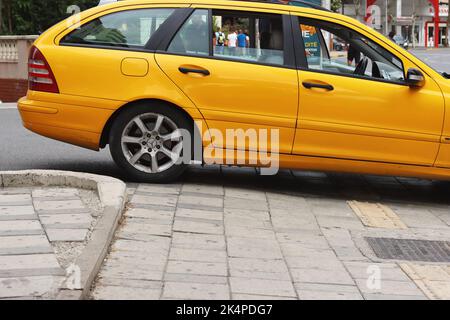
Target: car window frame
288,39
167,26
301,58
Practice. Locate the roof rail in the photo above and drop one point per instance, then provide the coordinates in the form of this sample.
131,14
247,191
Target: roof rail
299,3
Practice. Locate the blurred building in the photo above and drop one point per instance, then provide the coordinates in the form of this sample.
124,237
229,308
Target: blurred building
419,21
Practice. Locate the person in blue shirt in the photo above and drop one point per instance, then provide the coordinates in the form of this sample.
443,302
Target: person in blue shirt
242,42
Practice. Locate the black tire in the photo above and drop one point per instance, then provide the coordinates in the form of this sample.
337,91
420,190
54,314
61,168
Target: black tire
115,141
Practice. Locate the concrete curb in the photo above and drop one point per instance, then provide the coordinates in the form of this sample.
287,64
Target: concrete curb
112,195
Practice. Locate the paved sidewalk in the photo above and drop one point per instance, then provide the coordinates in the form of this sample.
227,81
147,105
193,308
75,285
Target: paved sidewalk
226,233
42,231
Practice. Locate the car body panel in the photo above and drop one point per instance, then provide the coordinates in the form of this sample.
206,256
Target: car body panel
324,131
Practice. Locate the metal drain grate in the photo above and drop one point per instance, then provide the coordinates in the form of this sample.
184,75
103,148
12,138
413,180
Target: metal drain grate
410,250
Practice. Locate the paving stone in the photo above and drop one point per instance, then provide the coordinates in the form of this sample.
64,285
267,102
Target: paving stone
247,214
314,262
377,215
246,222
17,213
389,287
259,269
296,250
247,194
140,237
199,214
321,276
15,199
55,193
66,221
199,268
198,241
238,203
18,265
125,293
37,286
200,207
129,283
195,291
66,235
305,241
20,227
256,248
316,287
347,223
153,243
154,214
60,206
203,188
422,219
200,201
183,277
15,190
131,271
351,253
327,295
388,271
196,226
262,287
294,224
158,200
154,262
136,226
17,245
253,233
377,296
198,255
433,280
172,189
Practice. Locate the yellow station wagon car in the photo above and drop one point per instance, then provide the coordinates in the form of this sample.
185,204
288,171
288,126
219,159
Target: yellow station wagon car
136,75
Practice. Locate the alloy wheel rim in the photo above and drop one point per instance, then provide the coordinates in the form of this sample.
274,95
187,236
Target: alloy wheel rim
152,143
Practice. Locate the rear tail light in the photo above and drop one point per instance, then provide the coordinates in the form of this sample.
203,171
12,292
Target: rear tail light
40,75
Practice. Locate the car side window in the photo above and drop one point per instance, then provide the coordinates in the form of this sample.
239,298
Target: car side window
336,49
193,37
126,29
247,36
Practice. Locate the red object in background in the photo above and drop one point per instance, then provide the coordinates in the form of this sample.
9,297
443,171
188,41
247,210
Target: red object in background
369,3
436,21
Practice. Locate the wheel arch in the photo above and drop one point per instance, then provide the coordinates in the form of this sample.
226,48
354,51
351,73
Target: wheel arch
135,104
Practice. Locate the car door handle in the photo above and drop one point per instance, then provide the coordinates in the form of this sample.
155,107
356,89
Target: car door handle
310,85
191,70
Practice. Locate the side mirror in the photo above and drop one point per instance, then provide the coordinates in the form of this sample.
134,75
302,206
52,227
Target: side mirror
415,78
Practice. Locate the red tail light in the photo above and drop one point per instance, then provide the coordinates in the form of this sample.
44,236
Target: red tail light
40,75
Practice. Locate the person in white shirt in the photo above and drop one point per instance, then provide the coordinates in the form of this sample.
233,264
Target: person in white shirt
232,41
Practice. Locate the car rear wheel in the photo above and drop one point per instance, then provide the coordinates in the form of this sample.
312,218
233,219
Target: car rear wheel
147,141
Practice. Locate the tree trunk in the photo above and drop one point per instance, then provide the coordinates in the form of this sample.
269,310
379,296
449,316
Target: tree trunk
1,16
357,4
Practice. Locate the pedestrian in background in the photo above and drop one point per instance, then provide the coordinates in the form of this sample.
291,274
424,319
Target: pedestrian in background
232,41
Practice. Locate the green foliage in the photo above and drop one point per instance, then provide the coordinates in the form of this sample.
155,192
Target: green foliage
336,5
35,16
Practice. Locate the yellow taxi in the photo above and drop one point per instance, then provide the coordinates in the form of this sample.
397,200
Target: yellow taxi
140,76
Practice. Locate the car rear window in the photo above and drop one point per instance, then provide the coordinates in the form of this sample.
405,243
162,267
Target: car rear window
126,29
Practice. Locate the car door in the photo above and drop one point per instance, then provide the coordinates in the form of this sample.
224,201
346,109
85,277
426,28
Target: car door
246,85
354,101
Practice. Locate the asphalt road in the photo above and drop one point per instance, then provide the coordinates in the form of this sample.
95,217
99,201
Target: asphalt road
21,149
